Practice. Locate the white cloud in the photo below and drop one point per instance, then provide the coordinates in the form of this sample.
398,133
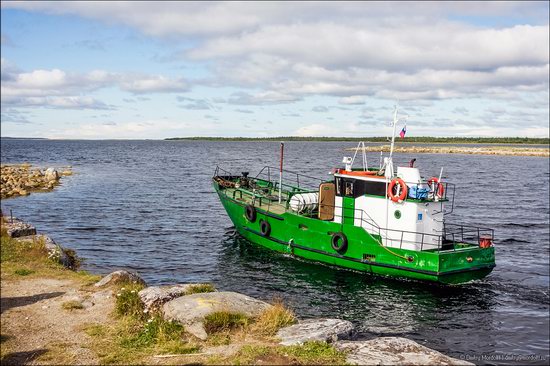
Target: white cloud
59,89
152,84
316,129
168,18
352,100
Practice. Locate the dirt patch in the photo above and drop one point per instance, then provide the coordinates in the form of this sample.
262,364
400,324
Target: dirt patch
38,329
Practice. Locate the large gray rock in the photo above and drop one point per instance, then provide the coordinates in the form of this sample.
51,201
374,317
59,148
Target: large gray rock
190,310
328,330
393,351
17,228
119,277
154,297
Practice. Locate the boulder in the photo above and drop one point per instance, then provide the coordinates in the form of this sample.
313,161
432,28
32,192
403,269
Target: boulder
154,297
328,330
51,175
190,310
393,351
17,228
119,277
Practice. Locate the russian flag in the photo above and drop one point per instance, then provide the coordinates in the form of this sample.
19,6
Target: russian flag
403,132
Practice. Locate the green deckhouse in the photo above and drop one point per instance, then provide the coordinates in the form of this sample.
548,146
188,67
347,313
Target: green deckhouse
372,220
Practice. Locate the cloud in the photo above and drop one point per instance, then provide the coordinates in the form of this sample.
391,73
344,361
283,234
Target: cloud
165,18
195,104
143,84
315,129
11,115
352,100
56,88
244,111
59,102
261,98
319,108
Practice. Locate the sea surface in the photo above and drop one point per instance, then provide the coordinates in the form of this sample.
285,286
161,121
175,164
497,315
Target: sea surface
149,206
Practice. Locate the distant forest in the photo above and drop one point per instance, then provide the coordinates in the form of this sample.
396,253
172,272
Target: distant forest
421,139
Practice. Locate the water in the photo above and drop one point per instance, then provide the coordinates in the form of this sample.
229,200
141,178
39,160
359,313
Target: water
149,206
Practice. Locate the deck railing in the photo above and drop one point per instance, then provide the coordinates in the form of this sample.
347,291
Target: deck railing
450,236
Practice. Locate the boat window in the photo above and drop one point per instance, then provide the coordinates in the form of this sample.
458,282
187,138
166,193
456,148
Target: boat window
349,188
338,186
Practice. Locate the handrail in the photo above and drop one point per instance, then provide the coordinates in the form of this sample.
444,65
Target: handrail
450,234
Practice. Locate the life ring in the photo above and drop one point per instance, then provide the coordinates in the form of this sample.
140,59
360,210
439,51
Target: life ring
265,228
439,188
250,213
339,242
401,197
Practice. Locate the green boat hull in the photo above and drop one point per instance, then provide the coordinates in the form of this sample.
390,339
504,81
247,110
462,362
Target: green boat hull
310,238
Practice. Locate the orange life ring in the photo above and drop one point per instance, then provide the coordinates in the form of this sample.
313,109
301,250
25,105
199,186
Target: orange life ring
439,186
403,193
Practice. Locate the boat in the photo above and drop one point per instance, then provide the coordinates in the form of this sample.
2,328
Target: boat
380,220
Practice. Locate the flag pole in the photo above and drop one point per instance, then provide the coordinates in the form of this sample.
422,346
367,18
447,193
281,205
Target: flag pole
281,170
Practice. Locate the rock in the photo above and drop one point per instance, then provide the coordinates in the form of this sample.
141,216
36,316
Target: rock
154,297
59,254
393,351
121,276
51,175
18,228
328,330
190,310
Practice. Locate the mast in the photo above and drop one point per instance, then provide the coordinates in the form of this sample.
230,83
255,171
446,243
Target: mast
281,170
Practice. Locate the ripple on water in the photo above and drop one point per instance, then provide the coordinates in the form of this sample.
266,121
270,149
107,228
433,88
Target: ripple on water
147,206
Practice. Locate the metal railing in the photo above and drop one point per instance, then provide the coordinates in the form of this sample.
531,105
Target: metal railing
298,181
451,235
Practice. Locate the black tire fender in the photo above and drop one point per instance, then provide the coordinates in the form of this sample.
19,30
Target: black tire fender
265,228
250,213
339,242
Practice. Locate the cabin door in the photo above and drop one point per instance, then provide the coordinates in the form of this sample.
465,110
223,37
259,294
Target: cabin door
348,210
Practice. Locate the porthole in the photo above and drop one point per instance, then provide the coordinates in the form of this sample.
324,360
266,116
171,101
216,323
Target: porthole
397,214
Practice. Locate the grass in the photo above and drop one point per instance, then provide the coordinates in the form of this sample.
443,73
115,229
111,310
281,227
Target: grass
200,288
221,321
131,340
128,302
23,272
17,257
309,353
72,305
273,319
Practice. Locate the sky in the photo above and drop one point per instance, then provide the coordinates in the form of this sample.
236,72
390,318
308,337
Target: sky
152,70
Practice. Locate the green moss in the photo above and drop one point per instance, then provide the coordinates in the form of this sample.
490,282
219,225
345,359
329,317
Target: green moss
315,353
309,353
200,288
72,305
224,321
23,272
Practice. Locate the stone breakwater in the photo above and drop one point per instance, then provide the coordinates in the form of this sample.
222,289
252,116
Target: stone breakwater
478,150
22,179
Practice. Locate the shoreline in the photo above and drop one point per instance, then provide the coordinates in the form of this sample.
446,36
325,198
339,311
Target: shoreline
481,150
72,317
